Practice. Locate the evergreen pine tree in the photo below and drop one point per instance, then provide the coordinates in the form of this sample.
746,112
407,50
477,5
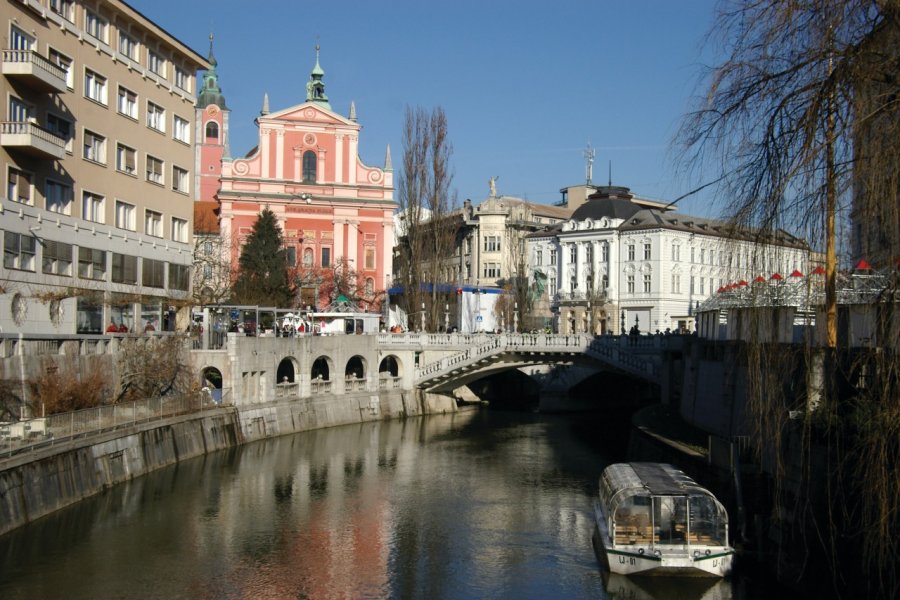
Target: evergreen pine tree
262,276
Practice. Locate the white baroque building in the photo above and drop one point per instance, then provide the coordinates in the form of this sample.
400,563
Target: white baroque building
621,262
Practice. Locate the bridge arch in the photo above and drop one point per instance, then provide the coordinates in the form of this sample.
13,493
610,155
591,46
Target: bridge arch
389,366
356,367
211,377
322,368
287,370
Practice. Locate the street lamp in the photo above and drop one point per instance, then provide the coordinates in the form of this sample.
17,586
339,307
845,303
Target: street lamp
447,318
423,318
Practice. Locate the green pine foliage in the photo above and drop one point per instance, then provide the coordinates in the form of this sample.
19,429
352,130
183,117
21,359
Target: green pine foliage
262,276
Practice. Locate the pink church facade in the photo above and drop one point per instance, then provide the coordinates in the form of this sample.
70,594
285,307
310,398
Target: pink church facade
306,169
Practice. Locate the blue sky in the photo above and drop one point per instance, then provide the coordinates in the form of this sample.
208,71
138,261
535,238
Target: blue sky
525,85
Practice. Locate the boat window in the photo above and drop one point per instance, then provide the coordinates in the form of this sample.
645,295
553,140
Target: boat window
670,518
707,522
632,521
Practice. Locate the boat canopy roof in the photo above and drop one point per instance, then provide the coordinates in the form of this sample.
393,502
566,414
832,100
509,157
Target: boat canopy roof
623,480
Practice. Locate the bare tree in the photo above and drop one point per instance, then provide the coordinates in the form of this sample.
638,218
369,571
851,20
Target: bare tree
797,122
428,229
212,270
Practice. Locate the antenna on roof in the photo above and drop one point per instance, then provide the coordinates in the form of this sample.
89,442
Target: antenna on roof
610,173
589,154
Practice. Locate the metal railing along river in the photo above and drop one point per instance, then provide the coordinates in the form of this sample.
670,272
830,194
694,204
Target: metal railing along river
29,435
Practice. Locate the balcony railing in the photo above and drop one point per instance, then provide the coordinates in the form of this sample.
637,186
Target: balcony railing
36,70
30,137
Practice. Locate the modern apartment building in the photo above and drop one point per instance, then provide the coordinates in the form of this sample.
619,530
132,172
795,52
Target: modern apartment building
97,153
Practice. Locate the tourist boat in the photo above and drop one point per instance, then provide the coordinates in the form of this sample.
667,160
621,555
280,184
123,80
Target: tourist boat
652,519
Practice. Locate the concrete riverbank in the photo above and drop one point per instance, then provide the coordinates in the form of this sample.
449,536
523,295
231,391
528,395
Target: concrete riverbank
36,484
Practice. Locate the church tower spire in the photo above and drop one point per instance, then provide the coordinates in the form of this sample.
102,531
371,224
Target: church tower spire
211,93
315,87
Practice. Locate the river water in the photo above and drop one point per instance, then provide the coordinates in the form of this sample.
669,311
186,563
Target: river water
471,505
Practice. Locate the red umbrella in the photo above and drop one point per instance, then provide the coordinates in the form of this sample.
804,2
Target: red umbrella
862,265
720,290
742,283
796,273
759,279
818,271
776,276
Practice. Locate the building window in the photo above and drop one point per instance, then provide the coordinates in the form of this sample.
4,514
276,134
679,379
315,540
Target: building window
127,104
18,186
676,252
156,117
179,277
326,257
183,79
308,258
64,63
702,255
153,273
95,86
128,46
604,252
538,257
630,251
629,282
290,256
370,259
153,223
492,243
551,286
126,161
676,283
180,232
647,282
58,197
95,26
552,257
57,258
91,264
124,268
19,111
647,251
61,128
179,179
125,216
64,8
18,251
94,147
605,280
309,167
155,170
589,253
212,131
573,254
92,207
702,286
156,63
181,129
491,270
589,283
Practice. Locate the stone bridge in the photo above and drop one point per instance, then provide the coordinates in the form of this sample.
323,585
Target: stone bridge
482,355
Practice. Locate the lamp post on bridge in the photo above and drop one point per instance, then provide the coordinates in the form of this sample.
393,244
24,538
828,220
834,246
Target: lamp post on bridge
447,318
423,317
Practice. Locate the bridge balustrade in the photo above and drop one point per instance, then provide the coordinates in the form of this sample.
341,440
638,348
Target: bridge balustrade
389,383
320,386
354,384
284,390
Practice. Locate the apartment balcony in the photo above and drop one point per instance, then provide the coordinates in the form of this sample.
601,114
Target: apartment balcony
37,71
31,138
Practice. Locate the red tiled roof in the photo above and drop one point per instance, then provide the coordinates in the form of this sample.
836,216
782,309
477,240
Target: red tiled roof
206,217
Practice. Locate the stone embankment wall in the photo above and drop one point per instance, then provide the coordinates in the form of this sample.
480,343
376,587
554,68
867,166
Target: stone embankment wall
39,483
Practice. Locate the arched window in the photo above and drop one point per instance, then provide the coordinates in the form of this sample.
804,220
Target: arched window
309,166
212,130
